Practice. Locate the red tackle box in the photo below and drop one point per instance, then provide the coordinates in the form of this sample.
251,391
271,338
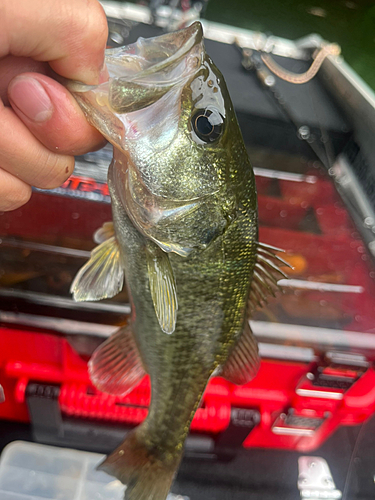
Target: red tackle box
317,340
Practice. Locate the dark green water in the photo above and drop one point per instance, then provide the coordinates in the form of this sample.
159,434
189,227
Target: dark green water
349,23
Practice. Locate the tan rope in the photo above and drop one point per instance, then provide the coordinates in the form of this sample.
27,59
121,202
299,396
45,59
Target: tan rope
331,49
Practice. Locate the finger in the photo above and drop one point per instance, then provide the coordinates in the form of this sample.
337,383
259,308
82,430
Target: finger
52,115
12,66
22,155
13,192
70,35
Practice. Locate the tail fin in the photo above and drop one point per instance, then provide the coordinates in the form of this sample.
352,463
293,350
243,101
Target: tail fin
146,476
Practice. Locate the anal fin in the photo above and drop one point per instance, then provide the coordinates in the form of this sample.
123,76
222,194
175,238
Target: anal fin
116,367
243,362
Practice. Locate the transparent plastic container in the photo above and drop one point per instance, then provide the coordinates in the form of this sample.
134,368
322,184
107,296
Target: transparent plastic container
30,471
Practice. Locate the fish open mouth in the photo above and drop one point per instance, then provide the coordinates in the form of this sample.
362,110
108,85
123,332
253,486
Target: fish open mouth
162,60
140,74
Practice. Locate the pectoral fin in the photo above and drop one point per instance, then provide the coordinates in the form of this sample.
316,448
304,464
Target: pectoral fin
116,367
102,276
104,233
162,287
243,363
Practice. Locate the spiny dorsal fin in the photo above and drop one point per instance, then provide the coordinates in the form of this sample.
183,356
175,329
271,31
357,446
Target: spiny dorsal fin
266,275
102,276
162,287
243,363
115,367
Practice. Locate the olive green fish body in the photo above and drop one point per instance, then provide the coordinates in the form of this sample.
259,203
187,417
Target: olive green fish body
185,222
212,295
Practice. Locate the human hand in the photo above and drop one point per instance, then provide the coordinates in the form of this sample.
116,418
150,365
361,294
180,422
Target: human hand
41,124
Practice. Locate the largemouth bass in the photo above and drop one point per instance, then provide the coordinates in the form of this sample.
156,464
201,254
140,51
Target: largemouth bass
184,236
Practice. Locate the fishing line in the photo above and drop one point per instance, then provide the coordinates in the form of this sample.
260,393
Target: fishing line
255,63
352,458
325,138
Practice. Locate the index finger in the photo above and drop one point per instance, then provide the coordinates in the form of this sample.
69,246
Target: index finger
69,34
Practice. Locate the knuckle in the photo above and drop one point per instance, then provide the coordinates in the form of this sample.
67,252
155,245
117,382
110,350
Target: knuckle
57,170
98,23
90,24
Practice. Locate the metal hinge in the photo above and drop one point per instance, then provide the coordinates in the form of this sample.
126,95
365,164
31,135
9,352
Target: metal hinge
315,480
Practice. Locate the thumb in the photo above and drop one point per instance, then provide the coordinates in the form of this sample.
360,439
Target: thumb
51,113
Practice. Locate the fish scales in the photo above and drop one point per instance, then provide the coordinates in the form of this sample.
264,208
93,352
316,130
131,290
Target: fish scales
212,292
184,236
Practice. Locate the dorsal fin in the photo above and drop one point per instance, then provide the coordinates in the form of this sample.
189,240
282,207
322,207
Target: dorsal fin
243,362
266,275
103,275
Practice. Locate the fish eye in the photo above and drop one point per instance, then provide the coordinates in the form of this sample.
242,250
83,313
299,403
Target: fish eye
207,124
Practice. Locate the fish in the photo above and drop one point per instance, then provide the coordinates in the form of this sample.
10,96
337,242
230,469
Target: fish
184,238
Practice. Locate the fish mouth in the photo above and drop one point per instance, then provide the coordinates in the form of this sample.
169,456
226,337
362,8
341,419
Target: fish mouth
162,60
140,75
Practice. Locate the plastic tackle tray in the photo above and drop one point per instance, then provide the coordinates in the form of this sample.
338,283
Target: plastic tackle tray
30,471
